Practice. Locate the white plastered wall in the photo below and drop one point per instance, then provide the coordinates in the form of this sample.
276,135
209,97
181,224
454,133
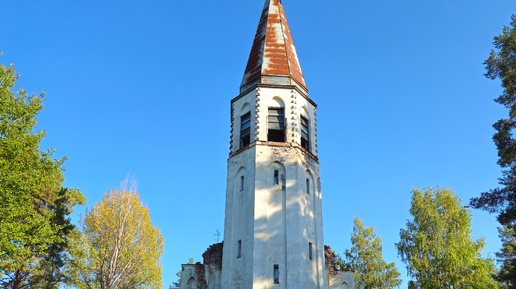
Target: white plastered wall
188,275
239,222
259,100
275,225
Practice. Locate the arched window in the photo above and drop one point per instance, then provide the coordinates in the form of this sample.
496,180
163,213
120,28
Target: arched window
305,129
276,122
277,176
245,130
309,183
305,133
240,180
191,284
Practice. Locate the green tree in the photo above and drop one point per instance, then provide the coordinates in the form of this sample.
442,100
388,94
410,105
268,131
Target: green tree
120,247
506,256
365,259
437,247
501,64
34,207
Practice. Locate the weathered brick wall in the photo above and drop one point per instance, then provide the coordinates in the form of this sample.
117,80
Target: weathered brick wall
329,260
200,272
213,256
206,272
337,279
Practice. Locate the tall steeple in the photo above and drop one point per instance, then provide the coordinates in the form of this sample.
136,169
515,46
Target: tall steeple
273,229
273,233
273,58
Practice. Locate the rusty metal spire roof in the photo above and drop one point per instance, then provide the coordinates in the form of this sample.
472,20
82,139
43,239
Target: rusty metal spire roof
273,58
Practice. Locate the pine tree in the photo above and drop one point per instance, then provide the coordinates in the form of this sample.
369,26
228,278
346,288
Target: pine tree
501,64
507,256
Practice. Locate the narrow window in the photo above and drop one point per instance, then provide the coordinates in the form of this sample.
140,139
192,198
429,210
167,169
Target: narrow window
305,133
239,251
276,274
245,130
310,251
276,125
308,186
276,177
241,183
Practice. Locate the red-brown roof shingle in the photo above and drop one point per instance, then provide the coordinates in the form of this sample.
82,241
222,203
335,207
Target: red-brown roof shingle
273,57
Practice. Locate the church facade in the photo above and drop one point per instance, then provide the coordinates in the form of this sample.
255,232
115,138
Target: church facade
273,231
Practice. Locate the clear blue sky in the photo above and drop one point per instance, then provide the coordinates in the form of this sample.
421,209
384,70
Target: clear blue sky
145,87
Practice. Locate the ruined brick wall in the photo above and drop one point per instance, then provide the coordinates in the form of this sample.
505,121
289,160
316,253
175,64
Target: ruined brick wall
206,274
200,272
213,256
329,260
337,279
192,276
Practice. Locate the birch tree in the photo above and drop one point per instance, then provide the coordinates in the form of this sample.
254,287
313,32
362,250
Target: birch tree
437,247
366,261
120,246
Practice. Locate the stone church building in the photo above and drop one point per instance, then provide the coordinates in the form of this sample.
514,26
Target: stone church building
273,231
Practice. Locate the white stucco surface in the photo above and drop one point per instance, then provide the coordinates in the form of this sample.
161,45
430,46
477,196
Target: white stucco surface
342,280
275,223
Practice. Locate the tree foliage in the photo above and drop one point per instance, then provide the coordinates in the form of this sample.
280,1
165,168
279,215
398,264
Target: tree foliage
34,207
120,247
436,245
506,256
501,64
365,259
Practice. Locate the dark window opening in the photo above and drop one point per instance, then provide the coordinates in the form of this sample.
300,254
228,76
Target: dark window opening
276,274
276,125
239,251
310,251
276,177
245,130
305,133
308,186
241,183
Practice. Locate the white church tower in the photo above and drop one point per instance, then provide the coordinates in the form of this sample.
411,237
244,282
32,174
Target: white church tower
273,231
273,234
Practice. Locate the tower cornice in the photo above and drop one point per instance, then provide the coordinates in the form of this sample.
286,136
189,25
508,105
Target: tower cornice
276,144
302,92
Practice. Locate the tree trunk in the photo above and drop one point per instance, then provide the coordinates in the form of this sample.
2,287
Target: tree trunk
17,279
